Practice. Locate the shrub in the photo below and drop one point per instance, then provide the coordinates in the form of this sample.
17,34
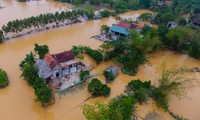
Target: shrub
95,54
140,95
3,79
84,73
109,76
96,88
105,13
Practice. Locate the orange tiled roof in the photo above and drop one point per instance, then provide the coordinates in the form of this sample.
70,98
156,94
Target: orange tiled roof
51,62
141,25
124,24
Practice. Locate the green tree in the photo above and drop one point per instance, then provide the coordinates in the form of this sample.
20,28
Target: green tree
89,11
30,73
30,58
145,3
119,108
105,13
195,49
96,88
41,50
182,22
3,79
44,94
84,74
105,28
141,95
1,36
178,37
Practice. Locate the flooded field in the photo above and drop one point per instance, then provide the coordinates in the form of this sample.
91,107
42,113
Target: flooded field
17,100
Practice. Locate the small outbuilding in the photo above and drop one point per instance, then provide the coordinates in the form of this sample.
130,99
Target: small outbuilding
114,70
171,25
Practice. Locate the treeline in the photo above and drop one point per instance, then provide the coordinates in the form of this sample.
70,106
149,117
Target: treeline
43,92
41,21
119,6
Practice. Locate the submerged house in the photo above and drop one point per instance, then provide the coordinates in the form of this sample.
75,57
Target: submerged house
113,69
57,65
122,29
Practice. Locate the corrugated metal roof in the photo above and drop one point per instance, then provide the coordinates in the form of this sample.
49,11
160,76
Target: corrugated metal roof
119,29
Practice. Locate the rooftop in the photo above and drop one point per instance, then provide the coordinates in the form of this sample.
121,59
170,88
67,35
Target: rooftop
57,59
44,70
64,56
127,25
124,24
119,29
50,61
114,70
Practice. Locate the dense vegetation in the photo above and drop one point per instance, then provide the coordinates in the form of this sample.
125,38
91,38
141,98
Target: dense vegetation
3,79
139,89
43,92
96,88
84,74
130,54
95,54
119,108
40,22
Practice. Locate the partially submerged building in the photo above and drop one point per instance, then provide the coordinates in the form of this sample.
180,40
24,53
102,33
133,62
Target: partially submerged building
57,65
122,29
113,69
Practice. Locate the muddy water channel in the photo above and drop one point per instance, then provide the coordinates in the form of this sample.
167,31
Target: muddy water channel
17,100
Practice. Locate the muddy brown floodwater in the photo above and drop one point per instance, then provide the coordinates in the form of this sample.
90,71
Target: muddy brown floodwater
17,100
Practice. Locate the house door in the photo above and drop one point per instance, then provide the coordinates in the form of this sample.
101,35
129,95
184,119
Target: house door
57,74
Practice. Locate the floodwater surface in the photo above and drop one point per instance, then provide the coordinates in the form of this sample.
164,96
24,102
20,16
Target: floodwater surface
17,100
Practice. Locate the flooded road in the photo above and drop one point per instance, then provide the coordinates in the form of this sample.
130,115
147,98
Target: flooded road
17,100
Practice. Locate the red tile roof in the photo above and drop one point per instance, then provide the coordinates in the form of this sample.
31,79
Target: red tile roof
133,25
51,62
64,56
124,24
168,2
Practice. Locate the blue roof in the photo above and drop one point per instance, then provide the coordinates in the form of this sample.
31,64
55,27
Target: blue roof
119,29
